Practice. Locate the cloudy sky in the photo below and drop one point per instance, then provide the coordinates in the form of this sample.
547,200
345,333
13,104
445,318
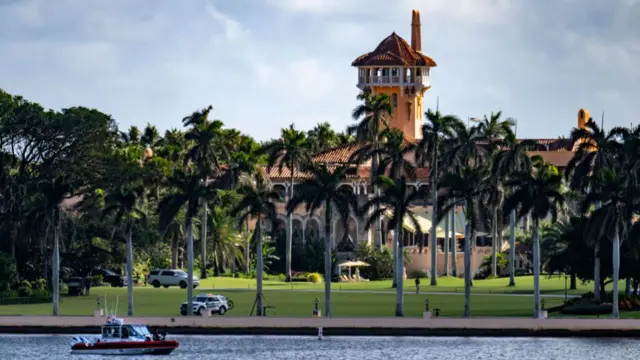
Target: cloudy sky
264,64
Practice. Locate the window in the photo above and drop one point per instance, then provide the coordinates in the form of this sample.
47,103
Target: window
154,272
394,100
168,273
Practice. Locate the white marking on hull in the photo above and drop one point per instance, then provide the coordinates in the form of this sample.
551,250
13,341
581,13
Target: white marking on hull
117,351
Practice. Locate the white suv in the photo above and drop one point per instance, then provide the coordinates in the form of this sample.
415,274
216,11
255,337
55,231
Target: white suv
208,302
167,277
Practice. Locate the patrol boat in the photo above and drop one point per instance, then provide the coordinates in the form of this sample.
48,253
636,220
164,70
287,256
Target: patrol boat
118,338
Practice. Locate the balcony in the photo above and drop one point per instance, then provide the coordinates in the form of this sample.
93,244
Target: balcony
387,80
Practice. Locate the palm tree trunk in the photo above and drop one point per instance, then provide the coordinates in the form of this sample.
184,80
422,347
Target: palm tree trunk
616,273
627,286
536,268
512,248
454,245
289,240
130,271
189,267
596,270
596,265
259,267
247,250
434,218
327,260
446,245
467,262
203,239
399,264
394,247
55,262
494,243
174,252
378,235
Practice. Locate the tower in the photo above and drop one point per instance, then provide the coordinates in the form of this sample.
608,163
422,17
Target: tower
400,71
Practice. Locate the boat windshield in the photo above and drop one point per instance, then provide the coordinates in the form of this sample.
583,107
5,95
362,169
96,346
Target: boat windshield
140,330
112,331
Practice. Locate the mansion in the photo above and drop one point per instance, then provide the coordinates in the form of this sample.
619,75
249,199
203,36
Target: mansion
400,70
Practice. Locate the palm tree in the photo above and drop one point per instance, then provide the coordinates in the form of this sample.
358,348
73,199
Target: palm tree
505,163
563,247
372,115
123,203
207,153
291,151
393,154
595,150
258,203
493,130
434,131
323,190
467,186
224,241
52,193
619,198
397,197
322,137
187,191
536,193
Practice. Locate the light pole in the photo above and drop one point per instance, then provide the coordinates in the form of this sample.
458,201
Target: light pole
565,288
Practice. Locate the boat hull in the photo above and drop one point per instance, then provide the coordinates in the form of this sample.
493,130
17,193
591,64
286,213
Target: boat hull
126,348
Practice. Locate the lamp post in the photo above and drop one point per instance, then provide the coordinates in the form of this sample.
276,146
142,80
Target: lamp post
565,288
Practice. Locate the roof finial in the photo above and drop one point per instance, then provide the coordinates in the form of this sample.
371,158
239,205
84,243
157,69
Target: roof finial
416,36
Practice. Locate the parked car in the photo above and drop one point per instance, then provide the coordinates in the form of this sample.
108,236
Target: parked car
110,277
75,286
208,302
170,277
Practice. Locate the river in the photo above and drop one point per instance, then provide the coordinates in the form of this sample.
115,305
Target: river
56,347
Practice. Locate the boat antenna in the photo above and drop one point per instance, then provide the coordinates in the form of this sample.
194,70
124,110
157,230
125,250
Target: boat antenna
602,121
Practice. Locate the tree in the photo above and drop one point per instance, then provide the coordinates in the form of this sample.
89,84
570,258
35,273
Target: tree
322,190
536,193
505,164
122,202
396,197
595,150
466,186
291,151
257,203
372,115
207,153
618,195
187,190
493,130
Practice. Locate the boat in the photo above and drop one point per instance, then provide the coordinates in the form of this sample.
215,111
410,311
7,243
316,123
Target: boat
118,338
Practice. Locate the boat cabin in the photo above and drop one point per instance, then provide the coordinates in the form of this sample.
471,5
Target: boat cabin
116,330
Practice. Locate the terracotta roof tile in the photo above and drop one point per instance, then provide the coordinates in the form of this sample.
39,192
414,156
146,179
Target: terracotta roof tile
558,158
337,155
394,50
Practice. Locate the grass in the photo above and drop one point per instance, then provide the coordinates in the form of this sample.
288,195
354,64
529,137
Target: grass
524,285
166,302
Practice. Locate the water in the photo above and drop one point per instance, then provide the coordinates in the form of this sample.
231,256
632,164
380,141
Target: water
56,347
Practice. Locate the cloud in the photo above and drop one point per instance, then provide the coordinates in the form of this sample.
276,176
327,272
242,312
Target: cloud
281,61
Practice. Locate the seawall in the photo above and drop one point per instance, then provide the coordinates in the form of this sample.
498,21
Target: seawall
379,326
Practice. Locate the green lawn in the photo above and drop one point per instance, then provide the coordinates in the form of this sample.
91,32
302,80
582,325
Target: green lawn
150,301
524,285
296,299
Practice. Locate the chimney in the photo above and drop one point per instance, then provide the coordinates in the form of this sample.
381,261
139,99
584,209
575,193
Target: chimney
416,36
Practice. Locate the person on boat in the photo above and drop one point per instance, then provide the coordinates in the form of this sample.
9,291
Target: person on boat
125,332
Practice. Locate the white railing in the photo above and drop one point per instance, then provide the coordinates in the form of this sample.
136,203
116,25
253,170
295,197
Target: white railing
394,80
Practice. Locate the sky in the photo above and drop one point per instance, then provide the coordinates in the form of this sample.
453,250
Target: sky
264,64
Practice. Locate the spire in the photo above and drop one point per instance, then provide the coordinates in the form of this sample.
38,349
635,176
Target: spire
416,36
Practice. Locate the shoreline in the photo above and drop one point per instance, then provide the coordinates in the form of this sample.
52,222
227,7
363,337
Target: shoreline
379,326
354,332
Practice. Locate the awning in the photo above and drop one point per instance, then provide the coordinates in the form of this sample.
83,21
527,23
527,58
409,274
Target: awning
424,223
353,263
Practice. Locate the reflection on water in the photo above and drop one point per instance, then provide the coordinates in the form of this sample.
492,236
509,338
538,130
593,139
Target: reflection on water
56,347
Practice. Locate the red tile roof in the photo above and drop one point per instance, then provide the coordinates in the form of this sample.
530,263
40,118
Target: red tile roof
394,50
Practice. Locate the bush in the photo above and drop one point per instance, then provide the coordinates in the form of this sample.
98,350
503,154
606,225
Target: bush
418,274
314,278
380,262
25,289
97,280
8,272
40,285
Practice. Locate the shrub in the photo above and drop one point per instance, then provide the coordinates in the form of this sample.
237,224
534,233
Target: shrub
8,272
40,284
380,262
314,278
418,274
97,280
25,289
